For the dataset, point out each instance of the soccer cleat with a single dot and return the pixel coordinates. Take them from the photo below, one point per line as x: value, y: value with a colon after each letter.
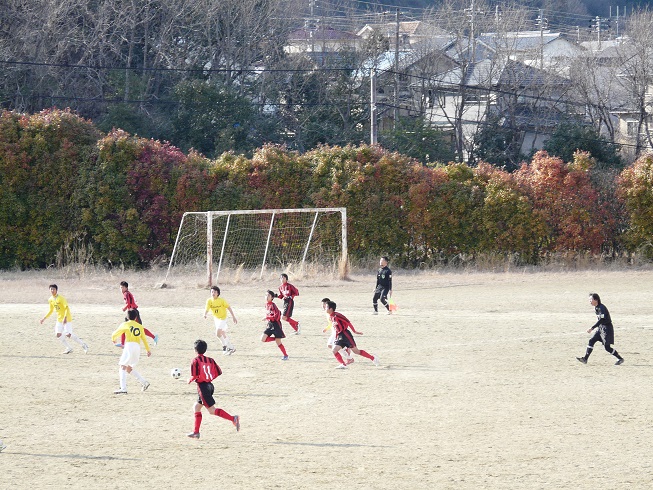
x: 146, y: 385
x: 619, y: 362
x: 156, y: 340
x: 582, y: 359
x: 299, y: 329
x: 284, y: 358
x: 118, y: 344
x: 236, y: 423
x: 389, y: 312
x: 2, y: 446
x: 349, y: 361
x: 376, y: 360
x: 194, y: 435
x: 231, y: 351
x: 120, y: 391
x: 67, y: 351
x: 85, y: 347
x: 375, y: 312
x: 341, y: 366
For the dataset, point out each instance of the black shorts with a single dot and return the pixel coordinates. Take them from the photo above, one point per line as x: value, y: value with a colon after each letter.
x: 605, y: 335
x: 288, y: 306
x: 381, y: 292
x: 275, y: 330
x: 345, y: 339
x: 205, y: 392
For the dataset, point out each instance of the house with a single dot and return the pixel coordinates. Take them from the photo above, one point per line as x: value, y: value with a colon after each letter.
x: 321, y: 42
x: 410, y: 33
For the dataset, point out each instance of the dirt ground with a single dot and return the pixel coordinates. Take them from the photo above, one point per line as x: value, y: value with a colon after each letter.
x: 478, y: 387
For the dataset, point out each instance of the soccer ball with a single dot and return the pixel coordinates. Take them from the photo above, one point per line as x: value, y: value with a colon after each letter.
x: 175, y: 373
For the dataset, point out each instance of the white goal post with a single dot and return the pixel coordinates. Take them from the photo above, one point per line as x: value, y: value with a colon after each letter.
x: 253, y: 240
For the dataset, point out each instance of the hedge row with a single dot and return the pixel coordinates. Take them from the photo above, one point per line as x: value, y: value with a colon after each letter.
x: 64, y: 184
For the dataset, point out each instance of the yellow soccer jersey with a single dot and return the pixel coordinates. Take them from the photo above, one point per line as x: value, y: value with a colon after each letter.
x: 218, y: 307
x: 59, y: 304
x: 134, y: 332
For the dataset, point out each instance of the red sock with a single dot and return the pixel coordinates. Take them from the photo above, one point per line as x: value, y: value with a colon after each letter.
x: 270, y: 339
x: 221, y: 413
x: 148, y: 333
x: 282, y: 349
x: 293, y: 323
x: 339, y: 357
x: 365, y: 354
x: 122, y: 339
x: 198, y: 421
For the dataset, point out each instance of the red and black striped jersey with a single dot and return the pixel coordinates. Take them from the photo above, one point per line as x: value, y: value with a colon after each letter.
x: 340, y: 322
x: 204, y: 369
x: 287, y: 290
x: 272, y: 313
x: 130, y: 301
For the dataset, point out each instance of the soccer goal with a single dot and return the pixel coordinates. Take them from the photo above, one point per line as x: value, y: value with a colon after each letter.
x: 212, y: 243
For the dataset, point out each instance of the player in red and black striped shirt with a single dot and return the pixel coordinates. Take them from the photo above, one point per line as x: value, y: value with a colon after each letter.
x: 130, y: 304
x: 287, y: 293
x: 344, y: 338
x: 203, y: 370
x: 274, y: 330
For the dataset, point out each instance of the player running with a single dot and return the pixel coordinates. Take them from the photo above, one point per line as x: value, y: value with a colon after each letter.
x: 383, y: 288
x: 219, y: 306
x: 130, y: 304
x: 131, y: 353
x: 346, y: 352
x: 203, y: 370
x: 64, y: 325
x: 604, y: 333
x: 274, y: 330
x: 344, y: 338
x: 287, y: 293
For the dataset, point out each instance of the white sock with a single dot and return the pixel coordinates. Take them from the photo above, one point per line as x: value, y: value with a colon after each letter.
x: 123, y: 379
x: 222, y: 341
x: 225, y: 341
x: 138, y: 377
x: 62, y: 339
x: 76, y: 339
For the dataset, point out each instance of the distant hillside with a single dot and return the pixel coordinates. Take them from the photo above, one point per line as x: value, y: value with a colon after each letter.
x: 578, y: 7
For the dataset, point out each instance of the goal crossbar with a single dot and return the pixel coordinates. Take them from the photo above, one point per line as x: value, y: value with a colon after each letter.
x: 273, y: 213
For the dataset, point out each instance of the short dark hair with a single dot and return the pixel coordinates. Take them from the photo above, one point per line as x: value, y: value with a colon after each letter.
x: 325, y: 300
x: 53, y: 286
x: 132, y: 315
x: 283, y: 274
x: 200, y: 346
x: 385, y: 257
x: 124, y: 283
x: 331, y: 305
x: 272, y: 293
x: 596, y: 297
x: 215, y: 288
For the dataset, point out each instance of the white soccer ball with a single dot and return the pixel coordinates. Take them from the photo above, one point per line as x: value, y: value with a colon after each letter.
x: 175, y: 373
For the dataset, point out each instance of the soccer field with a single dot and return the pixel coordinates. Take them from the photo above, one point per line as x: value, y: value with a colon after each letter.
x: 478, y: 387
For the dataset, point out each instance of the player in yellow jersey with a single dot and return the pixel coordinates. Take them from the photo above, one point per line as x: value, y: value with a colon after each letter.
x: 64, y: 326
x: 219, y: 306
x: 131, y: 352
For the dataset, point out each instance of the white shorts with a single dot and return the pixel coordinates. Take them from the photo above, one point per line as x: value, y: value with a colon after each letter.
x: 62, y: 328
x: 131, y: 354
x: 220, y: 324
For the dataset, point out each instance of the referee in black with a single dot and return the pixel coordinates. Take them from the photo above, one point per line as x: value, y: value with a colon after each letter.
x: 604, y: 331
x: 383, y: 288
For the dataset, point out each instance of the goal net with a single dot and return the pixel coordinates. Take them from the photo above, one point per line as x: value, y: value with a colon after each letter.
x: 218, y: 245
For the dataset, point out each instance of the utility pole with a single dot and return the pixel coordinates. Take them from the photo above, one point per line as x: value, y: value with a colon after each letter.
x: 373, y: 128
x: 396, y: 94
